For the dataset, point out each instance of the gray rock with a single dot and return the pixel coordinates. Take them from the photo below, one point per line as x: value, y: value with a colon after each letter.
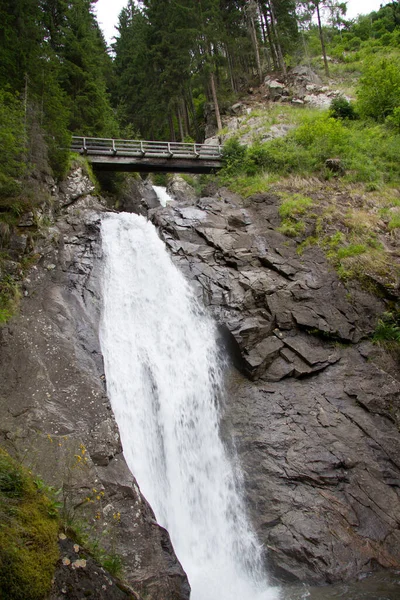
x: 54, y: 411
x: 76, y: 185
x: 180, y: 190
x: 317, y: 428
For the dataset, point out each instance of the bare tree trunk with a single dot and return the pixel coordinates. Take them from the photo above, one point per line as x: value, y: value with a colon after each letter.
x: 321, y: 37
x: 171, y: 128
x: 180, y: 123
x: 230, y: 69
x: 260, y: 12
x: 185, y: 114
x: 274, y: 53
x: 278, y: 45
x: 251, y: 10
x: 215, y: 100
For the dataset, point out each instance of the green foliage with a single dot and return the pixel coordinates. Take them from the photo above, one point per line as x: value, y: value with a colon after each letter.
x: 393, y: 120
x: 379, y: 89
x: 394, y: 222
x: 12, y: 143
x: 341, y: 108
x: 28, y: 534
x: 234, y: 154
x: 388, y: 329
x: 88, y: 539
x: 290, y: 210
x: 368, y: 152
x: 350, y: 250
x: 9, y: 297
x: 294, y: 206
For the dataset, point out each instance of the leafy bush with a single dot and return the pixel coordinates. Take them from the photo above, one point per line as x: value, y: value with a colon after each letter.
x: 341, y: 108
x: 12, y: 143
x: 393, y: 120
x: 233, y: 155
x: 388, y: 329
x: 379, y: 89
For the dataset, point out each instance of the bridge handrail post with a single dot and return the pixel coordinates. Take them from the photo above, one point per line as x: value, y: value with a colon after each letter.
x: 197, y: 154
x: 141, y: 148
x: 84, y: 147
x: 169, y: 150
x: 114, y: 150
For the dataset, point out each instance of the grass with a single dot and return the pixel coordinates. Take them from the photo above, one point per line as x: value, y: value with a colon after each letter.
x: 387, y: 332
x: 292, y: 208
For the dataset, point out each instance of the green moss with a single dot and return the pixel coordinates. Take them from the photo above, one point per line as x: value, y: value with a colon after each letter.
x: 9, y: 298
x: 394, y: 222
x: 28, y: 534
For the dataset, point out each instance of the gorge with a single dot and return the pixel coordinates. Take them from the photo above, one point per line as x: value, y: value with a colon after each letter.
x: 310, y: 408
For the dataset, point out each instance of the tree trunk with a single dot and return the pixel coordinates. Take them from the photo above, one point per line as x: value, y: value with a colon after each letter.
x: 180, y: 123
x: 274, y: 53
x: 171, y: 128
x: 254, y: 39
x: 230, y: 69
x: 321, y: 37
x: 186, y: 123
x: 276, y: 36
x: 215, y: 100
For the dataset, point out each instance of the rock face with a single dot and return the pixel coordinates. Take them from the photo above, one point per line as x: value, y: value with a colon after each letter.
x: 313, y: 417
x: 54, y: 410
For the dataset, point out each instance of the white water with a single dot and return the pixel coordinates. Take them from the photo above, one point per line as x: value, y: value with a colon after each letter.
x: 162, y: 194
x: 163, y: 378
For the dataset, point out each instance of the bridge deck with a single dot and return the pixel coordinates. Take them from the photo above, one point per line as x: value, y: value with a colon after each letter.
x: 138, y: 155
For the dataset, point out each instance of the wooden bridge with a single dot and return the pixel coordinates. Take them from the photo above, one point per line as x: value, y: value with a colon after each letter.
x: 137, y: 155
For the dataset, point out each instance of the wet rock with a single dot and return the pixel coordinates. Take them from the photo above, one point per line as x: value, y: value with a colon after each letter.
x: 77, y: 578
x: 138, y: 196
x: 180, y: 190
x: 55, y: 412
x: 317, y: 428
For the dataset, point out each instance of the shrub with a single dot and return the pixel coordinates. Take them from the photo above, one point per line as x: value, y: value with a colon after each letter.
x: 12, y: 143
x: 387, y: 332
x: 379, y: 89
x: 233, y: 155
x: 341, y: 108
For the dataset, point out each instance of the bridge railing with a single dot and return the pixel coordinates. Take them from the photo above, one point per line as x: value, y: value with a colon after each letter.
x: 141, y: 149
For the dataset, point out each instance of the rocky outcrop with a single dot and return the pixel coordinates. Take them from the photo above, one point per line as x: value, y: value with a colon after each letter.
x: 316, y: 429
x: 137, y: 196
x: 55, y: 415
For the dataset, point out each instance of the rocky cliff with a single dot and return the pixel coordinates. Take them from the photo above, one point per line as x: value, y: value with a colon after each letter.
x: 55, y: 415
x: 312, y: 407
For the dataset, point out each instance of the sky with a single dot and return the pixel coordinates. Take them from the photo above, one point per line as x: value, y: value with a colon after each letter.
x: 108, y: 12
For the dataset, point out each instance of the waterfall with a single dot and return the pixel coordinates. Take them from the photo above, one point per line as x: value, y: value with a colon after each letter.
x: 164, y: 381
x: 162, y: 194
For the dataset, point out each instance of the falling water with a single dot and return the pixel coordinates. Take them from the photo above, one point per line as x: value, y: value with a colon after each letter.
x: 162, y: 194
x: 164, y: 378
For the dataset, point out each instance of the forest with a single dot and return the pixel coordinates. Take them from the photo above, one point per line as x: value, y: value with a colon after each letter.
x: 173, y: 67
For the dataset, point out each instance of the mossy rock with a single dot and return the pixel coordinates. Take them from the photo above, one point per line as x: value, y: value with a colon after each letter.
x: 28, y: 534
